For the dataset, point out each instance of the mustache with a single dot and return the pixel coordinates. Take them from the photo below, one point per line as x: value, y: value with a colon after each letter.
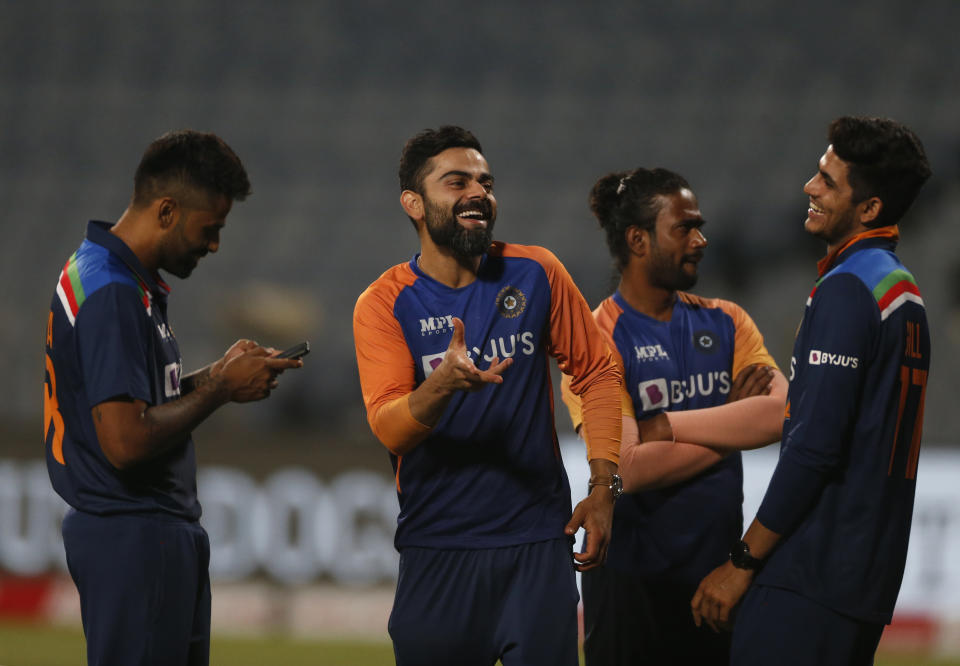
x: 482, y: 206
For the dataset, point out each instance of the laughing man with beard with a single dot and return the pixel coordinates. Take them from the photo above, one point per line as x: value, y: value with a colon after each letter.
x: 452, y: 350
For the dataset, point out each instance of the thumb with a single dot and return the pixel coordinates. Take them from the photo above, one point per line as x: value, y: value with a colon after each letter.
x: 457, y: 342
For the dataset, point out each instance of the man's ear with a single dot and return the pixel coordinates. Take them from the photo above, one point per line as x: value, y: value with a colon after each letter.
x: 868, y: 211
x: 412, y: 204
x: 637, y: 240
x: 167, y: 210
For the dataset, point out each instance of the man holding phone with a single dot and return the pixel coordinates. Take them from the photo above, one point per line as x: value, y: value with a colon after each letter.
x: 118, y: 414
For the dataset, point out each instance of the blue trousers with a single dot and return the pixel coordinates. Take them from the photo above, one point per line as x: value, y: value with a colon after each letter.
x: 631, y: 620
x: 776, y: 626
x: 472, y: 607
x: 144, y: 588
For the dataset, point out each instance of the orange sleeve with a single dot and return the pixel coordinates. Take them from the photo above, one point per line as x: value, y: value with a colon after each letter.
x: 578, y: 345
x: 385, y: 363
x: 748, y: 347
x: 606, y: 317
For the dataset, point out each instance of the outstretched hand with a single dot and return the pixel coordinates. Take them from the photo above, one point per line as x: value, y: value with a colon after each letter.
x: 457, y: 371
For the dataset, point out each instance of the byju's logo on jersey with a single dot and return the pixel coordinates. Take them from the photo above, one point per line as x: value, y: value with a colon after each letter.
x: 511, y: 302
x: 704, y: 341
x: 650, y: 353
x: 654, y: 395
x: 818, y: 357
x: 171, y: 380
x: 657, y: 393
x: 436, y: 325
x: 430, y: 363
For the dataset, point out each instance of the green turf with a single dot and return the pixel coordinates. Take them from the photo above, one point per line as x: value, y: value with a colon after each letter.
x: 39, y: 645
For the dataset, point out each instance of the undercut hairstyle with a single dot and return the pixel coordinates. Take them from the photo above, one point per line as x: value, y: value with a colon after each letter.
x: 625, y: 199
x: 418, y: 151
x: 184, y: 164
x: 885, y: 159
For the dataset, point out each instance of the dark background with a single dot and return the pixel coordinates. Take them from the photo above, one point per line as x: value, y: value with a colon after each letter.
x: 318, y: 98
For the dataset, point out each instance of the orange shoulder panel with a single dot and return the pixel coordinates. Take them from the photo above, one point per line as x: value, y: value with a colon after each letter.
x: 606, y: 315
x: 748, y: 346
x: 384, y: 360
x: 581, y: 352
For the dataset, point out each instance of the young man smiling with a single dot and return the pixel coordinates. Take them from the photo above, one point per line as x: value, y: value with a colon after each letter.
x: 452, y: 350
x: 830, y: 538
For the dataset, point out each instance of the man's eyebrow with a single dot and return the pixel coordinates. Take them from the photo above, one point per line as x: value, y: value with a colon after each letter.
x: 466, y: 174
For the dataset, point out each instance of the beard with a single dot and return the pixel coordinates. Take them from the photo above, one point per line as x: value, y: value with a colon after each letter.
x: 176, y: 256
x: 446, y: 231
x: 666, y: 274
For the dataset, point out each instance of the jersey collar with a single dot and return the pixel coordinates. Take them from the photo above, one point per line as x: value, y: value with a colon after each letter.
x: 99, y: 232
x: 891, y: 232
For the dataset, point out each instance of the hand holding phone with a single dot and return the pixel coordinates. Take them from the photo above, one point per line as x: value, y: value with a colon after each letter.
x: 297, y: 351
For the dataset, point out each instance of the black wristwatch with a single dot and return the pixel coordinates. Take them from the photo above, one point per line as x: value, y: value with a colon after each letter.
x: 611, y: 481
x: 741, y: 558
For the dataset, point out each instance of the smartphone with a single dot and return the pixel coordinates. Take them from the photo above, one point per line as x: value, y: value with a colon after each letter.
x: 297, y: 351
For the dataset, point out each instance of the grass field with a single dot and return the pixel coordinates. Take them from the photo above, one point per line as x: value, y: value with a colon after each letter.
x: 37, y: 645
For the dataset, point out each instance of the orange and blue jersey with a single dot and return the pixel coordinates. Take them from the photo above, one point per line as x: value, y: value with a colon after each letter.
x: 679, y: 532
x: 108, y: 338
x: 489, y: 473
x: 843, y: 490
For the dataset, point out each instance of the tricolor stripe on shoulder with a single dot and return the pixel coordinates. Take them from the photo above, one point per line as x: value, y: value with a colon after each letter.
x: 70, y: 289
x: 897, y: 288
x: 886, y: 278
x: 87, y: 270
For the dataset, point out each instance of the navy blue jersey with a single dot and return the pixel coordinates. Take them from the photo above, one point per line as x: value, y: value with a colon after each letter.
x: 108, y: 337
x: 842, y: 494
x: 489, y: 473
x: 685, y: 530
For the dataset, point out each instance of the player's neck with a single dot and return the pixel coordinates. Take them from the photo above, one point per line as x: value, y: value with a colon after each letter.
x: 654, y: 302
x: 446, y: 268
x: 135, y: 236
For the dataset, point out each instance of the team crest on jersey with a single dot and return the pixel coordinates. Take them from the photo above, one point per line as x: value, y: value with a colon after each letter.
x: 511, y: 302
x: 703, y: 341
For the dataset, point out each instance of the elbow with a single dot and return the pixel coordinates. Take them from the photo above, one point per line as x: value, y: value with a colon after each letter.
x: 118, y: 456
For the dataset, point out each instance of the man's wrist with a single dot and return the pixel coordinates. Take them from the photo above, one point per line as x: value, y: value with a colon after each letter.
x: 741, y: 558
x: 612, y: 482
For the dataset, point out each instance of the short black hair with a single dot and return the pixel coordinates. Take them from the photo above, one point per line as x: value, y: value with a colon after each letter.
x: 625, y: 199
x: 185, y: 160
x: 426, y: 144
x: 885, y: 159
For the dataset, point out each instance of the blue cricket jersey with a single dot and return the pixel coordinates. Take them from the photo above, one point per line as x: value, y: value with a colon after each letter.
x: 489, y: 474
x: 680, y: 532
x: 842, y: 493
x: 108, y: 337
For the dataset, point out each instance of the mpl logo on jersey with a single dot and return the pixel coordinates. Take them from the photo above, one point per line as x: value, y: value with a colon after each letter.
x: 818, y: 357
x: 647, y: 353
x: 430, y: 363
x: 436, y: 325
